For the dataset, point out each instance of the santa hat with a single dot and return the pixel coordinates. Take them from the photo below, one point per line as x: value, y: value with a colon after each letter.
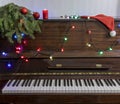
x: 108, y: 21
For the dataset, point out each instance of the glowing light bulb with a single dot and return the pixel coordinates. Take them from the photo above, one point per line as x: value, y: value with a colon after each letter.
x: 22, y: 57
x: 51, y: 58
x: 75, y: 17
x: 73, y: 27
x: 110, y: 49
x: 4, y: 53
x: 65, y: 38
x: 18, y: 49
x: 23, y: 35
x: 88, y: 44
x: 119, y: 25
x: 26, y: 60
x: 39, y: 49
x: 15, y: 36
x: 62, y: 49
x: 25, y: 42
x: 89, y: 32
x: 9, y: 65
x: 100, y: 52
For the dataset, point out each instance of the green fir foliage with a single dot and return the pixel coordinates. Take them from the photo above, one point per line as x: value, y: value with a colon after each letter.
x: 12, y: 21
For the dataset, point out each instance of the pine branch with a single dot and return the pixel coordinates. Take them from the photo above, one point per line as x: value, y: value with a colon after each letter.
x: 13, y: 21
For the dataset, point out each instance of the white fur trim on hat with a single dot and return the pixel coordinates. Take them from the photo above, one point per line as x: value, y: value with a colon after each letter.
x: 113, y: 33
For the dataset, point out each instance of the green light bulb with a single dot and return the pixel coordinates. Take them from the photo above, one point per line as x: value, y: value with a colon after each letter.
x: 110, y: 49
x: 65, y: 38
x: 100, y: 52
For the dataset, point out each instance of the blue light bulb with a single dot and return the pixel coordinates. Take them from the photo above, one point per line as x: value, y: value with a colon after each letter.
x: 4, y: 53
x: 15, y: 37
x: 9, y: 65
x: 119, y: 25
x: 23, y: 35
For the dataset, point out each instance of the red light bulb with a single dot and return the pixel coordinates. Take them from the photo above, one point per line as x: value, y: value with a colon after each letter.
x: 39, y: 49
x: 22, y: 57
x: 26, y: 60
x: 73, y: 27
x: 62, y: 49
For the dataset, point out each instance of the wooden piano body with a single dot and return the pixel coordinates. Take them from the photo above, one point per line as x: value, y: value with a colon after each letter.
x: 78, y: 61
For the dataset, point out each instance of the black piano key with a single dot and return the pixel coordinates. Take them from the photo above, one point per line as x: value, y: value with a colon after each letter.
x: 64, y: 82
x: 106, y: 82
x: 71, y: 83
x: 88, y: 81
x: 97, y: 82
x: 84, y: 80
x: 56, y: 82
x: 26, y: 83
x: 18, y: 82
x: 112, y: 82
x: 35, y: 82
x: 14, y: 83
x: 29, y: 83
x: 50, y: 82
x: 23, y: 83
x: 39, y: 80
x: 101, y: 82
x: 44, y: 81
x: 79, y: 82
x: 118, y: 82
x: 76, y: 82
x: 109, y: 82
x: 47, y: 82
x: 59, y: 81
x: 9, y: 82
x: 68, y: 84
x: 92, y: 82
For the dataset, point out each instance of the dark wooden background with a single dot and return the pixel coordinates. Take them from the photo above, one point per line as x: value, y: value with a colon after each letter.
x: 53, y: 31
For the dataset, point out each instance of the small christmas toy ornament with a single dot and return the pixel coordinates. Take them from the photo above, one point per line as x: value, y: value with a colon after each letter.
x: 24, y: 10
x: 108, y: 21
x: 36, y: 15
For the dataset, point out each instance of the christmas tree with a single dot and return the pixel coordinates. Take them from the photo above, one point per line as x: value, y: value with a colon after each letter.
x: 16, y: 20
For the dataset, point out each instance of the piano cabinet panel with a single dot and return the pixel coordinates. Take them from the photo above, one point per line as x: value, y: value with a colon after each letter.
x: 71, y: 65
x: 60, y: 99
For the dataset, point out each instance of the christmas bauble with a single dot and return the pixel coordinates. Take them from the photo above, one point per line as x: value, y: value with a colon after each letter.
x: 24, y: 10
x: 36, y: 15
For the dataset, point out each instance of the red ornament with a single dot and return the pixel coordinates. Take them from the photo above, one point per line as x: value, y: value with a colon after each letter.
x: 36, y: 15
x: 24, y: 10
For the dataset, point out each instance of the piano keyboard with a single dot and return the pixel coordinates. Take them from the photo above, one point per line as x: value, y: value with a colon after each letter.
x: 62, y: 86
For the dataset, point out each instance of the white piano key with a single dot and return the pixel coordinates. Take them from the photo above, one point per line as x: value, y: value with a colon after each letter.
x: 117, y: 87
x: 107, y: 89
x: 4, y: 90
x: 10, y: 89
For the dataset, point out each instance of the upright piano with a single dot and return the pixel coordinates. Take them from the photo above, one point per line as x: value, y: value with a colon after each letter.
x: 72, y: 67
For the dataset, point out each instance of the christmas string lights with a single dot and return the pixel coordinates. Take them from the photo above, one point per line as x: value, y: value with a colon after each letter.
x: 20, y: 48
x: 93, y: 45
